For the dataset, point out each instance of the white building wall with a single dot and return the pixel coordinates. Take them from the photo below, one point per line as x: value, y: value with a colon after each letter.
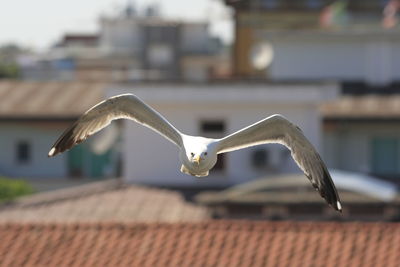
x: 318, y: 59
x: 395, y: 62
x: 379, y: 62
x: 352, y: 57
x: 151, y: 159
x: 41, y: 140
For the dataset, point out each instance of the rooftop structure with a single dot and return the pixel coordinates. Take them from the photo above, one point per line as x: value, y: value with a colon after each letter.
x: 221, y: 243
x: 291, y: 197
x: 32, y: 116
x: 107, y: 201
x: 28, y: 100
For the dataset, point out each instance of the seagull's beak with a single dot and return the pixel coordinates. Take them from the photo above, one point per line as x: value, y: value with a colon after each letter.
x: 197, y: 159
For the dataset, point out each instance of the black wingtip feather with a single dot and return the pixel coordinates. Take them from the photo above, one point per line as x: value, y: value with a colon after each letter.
x: 65, y: 142
x: 331, y: 195
x: 328, y: 191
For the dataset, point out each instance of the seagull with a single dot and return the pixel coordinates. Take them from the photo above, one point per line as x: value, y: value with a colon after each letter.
x: 199, y: 154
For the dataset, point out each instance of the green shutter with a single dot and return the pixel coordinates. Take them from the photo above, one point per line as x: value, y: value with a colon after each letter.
x: 76, y: 161
x: 98, y: 164
x: 385, y: 156
x: 82, y: 162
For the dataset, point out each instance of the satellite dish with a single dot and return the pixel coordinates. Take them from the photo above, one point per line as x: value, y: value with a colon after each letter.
x: 261, y: 55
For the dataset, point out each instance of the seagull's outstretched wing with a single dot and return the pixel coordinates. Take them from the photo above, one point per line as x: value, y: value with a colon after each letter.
x: 277, y: 129
x: 125, y: 106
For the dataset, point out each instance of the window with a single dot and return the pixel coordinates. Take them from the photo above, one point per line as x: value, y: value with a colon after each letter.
x: 385, y: 156
x: 260, y: 158
x: 214, y: 129
x: 23, y: 151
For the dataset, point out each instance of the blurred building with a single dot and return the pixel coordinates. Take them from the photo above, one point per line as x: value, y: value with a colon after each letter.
x: 161, y: 49
x: 216, y: 110
x: 133, y: 47
x: 33, y: 115
x: 224, y: 243
x: 62, y: 62
x: 313, y: 40
x: 355, y: 43
x: 362, y: 133
x: 291, y: 197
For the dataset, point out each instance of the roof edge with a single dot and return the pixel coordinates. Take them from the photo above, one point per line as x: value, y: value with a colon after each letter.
x: 65, y: 193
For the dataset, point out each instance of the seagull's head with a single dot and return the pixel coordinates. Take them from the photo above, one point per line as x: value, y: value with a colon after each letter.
x: 197, y: 157
x: 202, y: 159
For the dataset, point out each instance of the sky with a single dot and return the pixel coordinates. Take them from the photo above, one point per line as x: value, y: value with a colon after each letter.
x: 40, y: 23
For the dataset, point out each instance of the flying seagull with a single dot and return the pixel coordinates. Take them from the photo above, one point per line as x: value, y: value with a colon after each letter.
x: 199, y: 154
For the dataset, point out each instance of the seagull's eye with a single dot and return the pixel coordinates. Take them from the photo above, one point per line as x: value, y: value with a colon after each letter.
x: 205, y: 153
x: 192, y: 154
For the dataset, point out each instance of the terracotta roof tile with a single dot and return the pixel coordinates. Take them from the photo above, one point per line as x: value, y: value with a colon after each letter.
x: 215, y: 243
x: 106, y: 202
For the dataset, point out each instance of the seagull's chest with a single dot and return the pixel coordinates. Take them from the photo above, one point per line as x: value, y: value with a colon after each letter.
x: 193, y: 168
x: 192, y: 172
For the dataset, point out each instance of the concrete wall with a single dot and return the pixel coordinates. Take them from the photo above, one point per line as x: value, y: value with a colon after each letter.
x: 41, y: 139
x: 373, y: 59
x: 318, y: 60
x: 151, y: 159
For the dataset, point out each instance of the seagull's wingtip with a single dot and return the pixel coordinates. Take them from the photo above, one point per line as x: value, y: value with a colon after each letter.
x: 52, y: 152
x: 339, y: 206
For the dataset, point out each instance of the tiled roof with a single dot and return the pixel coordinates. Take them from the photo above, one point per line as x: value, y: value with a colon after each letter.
x: 367, y: 106
x: 104, y: 202
x: 215, y: 243
x: 32, y: 99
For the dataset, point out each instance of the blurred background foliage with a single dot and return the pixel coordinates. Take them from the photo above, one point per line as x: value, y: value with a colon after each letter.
x: 13, y: 188
x: 8, y: 60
